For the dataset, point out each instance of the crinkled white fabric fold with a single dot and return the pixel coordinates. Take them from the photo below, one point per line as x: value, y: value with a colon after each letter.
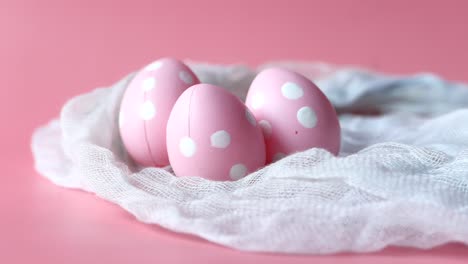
x: 401, y: 177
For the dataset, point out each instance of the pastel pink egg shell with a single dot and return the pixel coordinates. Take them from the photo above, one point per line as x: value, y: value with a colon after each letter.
x: 294, y: 113
x: 212, y: 134
x: 145, y: 109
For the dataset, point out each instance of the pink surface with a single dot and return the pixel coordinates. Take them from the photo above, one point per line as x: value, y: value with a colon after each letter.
x: 52, y: 50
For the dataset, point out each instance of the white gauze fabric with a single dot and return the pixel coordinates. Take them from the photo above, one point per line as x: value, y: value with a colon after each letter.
x: 401, y: 177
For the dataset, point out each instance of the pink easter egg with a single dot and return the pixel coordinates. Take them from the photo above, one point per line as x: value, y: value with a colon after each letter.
x: 145, y: 108
x: 293, y: 112
x: 212, y: 134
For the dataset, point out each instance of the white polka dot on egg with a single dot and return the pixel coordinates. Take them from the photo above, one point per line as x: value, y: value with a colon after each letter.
x: 307, y: 117
x: 250, y: 117
x: 266, y: 128
x: 147, y: 110
x: 154, y: 66
x: 186, y: 77
x: 148, y: 84
x: 292, y: 91
x: 238, y: 171
x: 258, y: 100
x: 220, y: 139
x: 187, y: 147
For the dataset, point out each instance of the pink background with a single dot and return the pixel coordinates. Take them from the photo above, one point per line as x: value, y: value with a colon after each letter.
x: 52, y: 50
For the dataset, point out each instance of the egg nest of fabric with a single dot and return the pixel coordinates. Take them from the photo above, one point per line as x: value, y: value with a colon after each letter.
x: 401, y: 177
